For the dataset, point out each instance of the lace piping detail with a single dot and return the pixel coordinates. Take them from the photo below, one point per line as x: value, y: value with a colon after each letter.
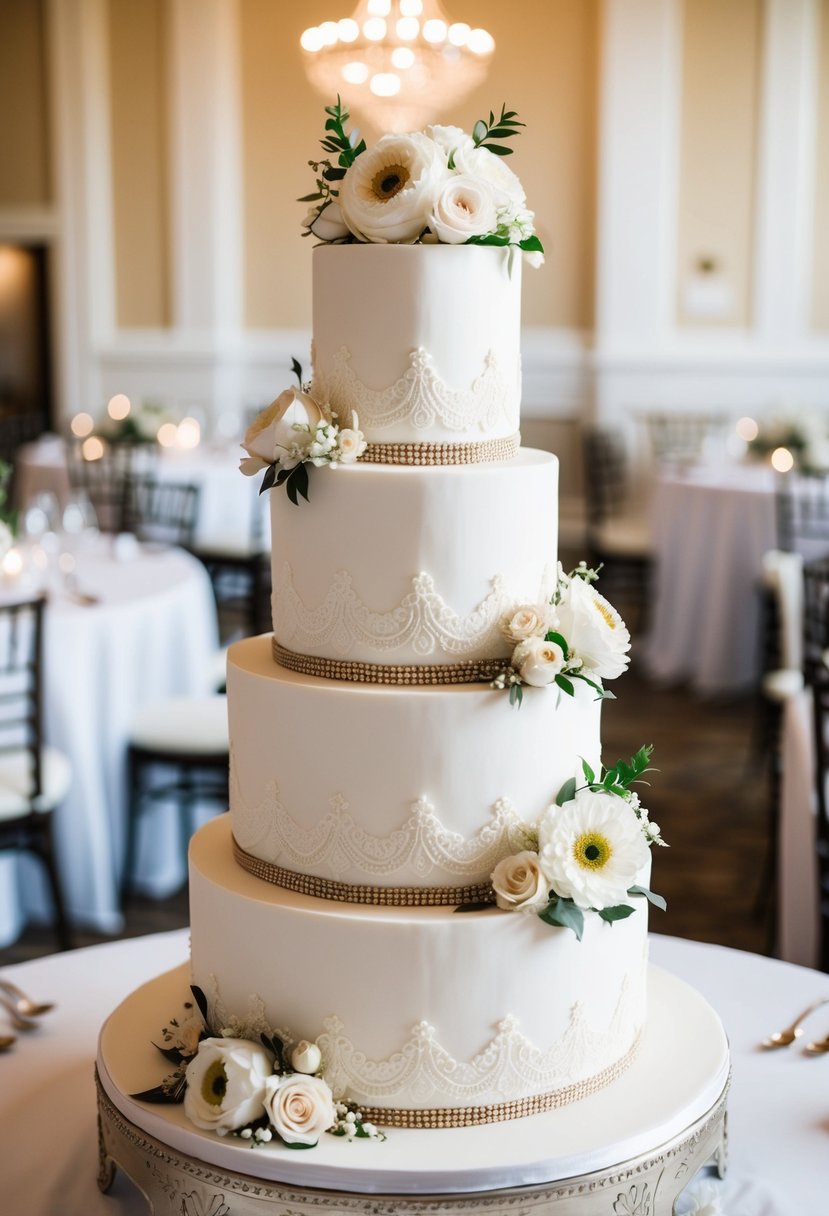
x: 422, y: 1073
x: 422, y: 622
x: 422, y: 847
x: 420, y: 396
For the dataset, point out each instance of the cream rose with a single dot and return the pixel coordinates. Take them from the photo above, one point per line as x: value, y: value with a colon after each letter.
x: 300, y: 1108
x: 226, y: 1084
x: 388, y: 193
x: 271, y: 438
x: 485, y: 166
x: 306, y: 1057
x: 464, y: 207
x: 519, y: 882
x: 530, y: 620
x: 537, y: 661
x: 326, y: 222
x: 351, y: 442
x: 450, y: 140
x: 594, y: 630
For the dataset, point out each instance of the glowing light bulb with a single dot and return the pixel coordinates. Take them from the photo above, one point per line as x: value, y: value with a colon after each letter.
x: 311, y: 39
x: 81, y: 425
x: 189, y: 433
x: 434, y: 30
x: 118, y: 407
x: 782, y: 460
x: 459, y: 32
x: 167, y: 434
x: 480, y: 42
x: 747, y: 429
x: 92, y: 448
x: 408, y: 28
x: 348, y: 29
x: 329, y: 32
x: 355, y: 73
x: 402, y: 57
x: 411, y: 8
x: 385, y: 84
x: 374, y: 29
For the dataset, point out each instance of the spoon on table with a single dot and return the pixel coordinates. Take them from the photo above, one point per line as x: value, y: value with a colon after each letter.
x: 7, y: 1041
x: 19, y: 1023
x: 783, y: 1038
x: 24, y: 1005
x: 817, y: 1048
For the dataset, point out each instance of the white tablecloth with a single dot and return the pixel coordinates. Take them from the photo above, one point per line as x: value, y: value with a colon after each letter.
x: 711, y: 528
x: 150, y: 637
x: 230, y: 510
x: 778, y: 1107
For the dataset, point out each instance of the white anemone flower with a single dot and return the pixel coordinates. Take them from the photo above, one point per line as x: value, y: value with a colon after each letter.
x: 226, y: 1084
x: 388, y: 193
x: 594, y: 630
x: 592, y: 848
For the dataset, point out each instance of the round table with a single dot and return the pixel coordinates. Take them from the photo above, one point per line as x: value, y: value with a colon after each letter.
x: 778, y: 1103
x: 149, y: 634
x: 711, y: 528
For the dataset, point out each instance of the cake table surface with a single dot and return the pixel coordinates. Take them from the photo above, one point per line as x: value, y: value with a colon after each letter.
x: 778, y: 1109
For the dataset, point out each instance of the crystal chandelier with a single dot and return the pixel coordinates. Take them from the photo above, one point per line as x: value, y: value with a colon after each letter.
x: 397, y: 64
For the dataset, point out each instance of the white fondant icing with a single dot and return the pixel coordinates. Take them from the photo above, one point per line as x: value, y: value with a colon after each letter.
x: 432, y: 335
x: 299, y: 742
x: 502, y: 1005
x: 408, y: 565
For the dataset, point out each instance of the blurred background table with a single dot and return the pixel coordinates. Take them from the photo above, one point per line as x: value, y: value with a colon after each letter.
x: 778, y: 1104
x: 151, y: 633
x: 711, y: 529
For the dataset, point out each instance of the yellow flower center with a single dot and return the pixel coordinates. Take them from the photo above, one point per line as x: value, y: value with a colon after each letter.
x: 592, y: 851
x: 389, y: 181
x: 214, y: 1084
x: 604, y: 611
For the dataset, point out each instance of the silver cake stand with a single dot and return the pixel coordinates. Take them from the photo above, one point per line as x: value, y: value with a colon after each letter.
x: 628, y: 1150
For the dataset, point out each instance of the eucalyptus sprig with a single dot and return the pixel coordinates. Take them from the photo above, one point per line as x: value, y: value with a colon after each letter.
x: 506, y: 126
x: 338, y: 142
x: 615, y: 780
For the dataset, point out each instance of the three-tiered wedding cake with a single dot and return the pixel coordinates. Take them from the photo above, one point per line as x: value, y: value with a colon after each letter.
x: 382, y: 782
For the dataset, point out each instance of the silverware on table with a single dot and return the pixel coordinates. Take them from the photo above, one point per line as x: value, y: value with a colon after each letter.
x: 17, y: 1021
x: 783, y: 1038
x: 818, y: 1047
x: 23, y: 1004
x: 7, y: 1041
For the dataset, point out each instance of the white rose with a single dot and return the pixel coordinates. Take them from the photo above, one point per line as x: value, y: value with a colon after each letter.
x: 350, y: 445
x: 272, y: 436
x: 306, y: 1057
x: 300, y: 1108
x: 594, y: 630
x: 465, y: 207
x: 326, y: 222
x: 537, y: 661
x: 226, y: 1084
x: 387, y: 194
x: 592, y: 848
x: 530, y: 620
x: 519, y: 882
x: 451, y: 140
x: 485, y: 166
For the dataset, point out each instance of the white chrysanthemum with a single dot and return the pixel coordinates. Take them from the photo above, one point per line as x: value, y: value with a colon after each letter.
x: 388, y: 193
x: 594, y: 630
x: 592, y: 849
x: 226, y: 1084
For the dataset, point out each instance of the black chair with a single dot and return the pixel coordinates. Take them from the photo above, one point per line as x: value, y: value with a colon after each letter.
x: 240, y: 574
x: 34, y: 778
x: 802, y: 505
x: 681, y: 438
x: 105, y: 479
x: 816, y: 654
x: 178, y: 754
x: 165, y: 512
x: 618, y: 536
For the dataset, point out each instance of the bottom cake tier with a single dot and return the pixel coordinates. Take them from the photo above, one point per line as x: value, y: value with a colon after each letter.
x: 425, y: 1017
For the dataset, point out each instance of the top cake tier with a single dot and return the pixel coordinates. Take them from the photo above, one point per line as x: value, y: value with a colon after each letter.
x: 422, y: 342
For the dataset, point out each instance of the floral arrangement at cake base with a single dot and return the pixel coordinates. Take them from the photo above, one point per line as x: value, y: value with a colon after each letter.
x: 260, y: 1092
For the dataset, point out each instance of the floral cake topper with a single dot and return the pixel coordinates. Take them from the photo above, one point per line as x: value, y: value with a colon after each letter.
x: 441, y: 185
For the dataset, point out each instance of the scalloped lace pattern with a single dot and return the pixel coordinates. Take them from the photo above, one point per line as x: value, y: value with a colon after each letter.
x: 420, y: 397
x: 336, y: 845
x: 423, y: 621
x: 423, y: 1073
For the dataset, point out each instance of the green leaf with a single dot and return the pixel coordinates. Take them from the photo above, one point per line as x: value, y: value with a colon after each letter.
x: 477, y: 907
x: 566, y: 685
x: 479, y: 131
x: 589, y: 775
x: 500, y: 150
x: 650, y: 896
x: 516, y: 695
x: 559, y: 639
x: 269, y: 478
x: 531, y: 244
x: 296, y: 368
x: 563, y: 912
x: 201, y: 1002
x: 618, y: 912
x: 491, y: 238
x: 567, y: 792
x: 296, y: 483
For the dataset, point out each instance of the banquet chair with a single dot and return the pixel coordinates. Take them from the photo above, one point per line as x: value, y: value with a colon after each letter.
x: 106, y: 481
x: 165, y: 512
x: 34, y: 778
x: 802, y: 507
x: 681, y: 438
x: 177, y: 755
x: 618, y: 536
x: 240, y: 574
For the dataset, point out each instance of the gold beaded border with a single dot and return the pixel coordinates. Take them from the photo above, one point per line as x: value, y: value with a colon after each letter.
x: 356, y: 893
x: 480, y: 451
x: 473, y: 671
x: 499, y: 1112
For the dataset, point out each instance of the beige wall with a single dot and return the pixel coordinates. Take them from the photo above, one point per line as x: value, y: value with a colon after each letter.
x: 24, y: 128
x: 820, y: 315
x: 137, y: 38
x: 720, y: 78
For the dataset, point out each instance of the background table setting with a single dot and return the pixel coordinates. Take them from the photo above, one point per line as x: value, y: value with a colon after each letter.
x: 778, y: 1103
x: 126, y: 625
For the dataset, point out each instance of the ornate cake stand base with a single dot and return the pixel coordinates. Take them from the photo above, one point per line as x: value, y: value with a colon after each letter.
x: 627, y: 1151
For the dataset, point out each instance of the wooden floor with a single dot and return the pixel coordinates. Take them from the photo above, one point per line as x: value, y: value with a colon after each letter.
x: 709, y: 797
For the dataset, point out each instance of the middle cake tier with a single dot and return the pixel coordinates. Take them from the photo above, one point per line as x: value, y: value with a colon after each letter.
x: 411, y: 567
x: 391, y: 794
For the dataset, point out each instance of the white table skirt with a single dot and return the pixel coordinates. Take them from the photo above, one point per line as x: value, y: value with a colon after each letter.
x: 778, y: 1108
x: 711, y: 529
x: 151, y: 637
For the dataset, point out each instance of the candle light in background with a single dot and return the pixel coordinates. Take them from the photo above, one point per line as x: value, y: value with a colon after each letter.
x: 747, y: 429
x: 782, y: 461
x: 189, y: 433
x: 167, y: 434
x: 81, y: 425
x: 92, y: 448
x: 118, y: 407
x: 12, y: 565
